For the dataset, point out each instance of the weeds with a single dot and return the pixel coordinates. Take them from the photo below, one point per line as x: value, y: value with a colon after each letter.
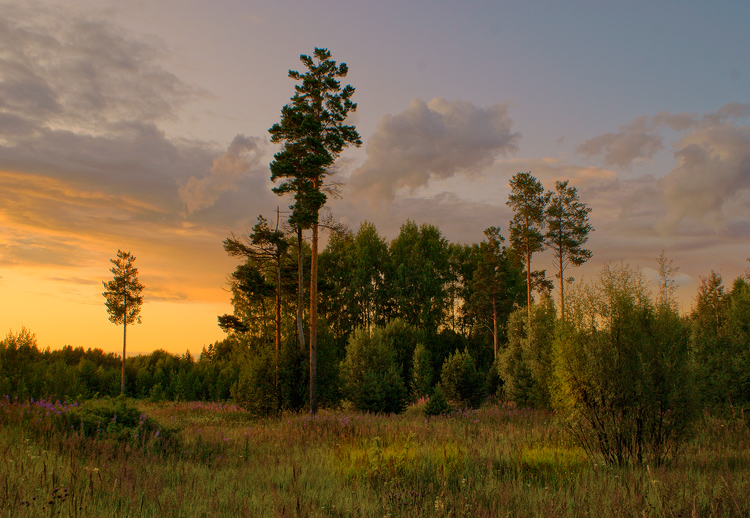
x: 490, y: 462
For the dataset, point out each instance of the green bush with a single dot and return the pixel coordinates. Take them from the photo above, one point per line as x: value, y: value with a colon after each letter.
x: 437, y: 404
x: 112, y: 419
x: 421, y: 378
x: 460, y: 380
x: 622, y: 376
x: 256, y: 390
x: 372, y: 381
x: 525, y: 365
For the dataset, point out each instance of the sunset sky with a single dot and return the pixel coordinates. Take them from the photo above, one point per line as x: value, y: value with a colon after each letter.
x: 143, y: 126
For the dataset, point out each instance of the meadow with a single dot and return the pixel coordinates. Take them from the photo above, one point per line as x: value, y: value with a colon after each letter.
x: 212, y: 460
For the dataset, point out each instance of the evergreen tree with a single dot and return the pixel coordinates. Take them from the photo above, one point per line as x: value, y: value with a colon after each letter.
x: 263, y: 252
x: 495, y: 283
x: 528, y: 201
x: 568, y: 230
x: 124, y: 299
x: 313, y: 133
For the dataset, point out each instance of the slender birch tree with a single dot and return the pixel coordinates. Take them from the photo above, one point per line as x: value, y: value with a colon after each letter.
x: 124, y: 299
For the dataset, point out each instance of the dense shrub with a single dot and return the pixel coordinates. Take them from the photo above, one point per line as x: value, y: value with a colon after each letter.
x: 421, y: 378
x: 437, y: 404
x: 720, y: 343
x: 372, y: 381
x: 461, y: 381
x: 256, y: 389
x: 525, y: 365
x: 622, y: 375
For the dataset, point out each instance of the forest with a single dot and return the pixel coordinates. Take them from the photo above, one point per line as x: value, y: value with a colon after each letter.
x: 400, y: 315
x: 410, y: 377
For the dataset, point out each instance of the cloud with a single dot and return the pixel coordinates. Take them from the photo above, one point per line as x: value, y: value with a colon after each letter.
x: 243, y: 155
x: 713, y: 168
x: 434, y: 140
x: 632, y: 142
x: 81, y: 101
x: 549, y: 170
x: 63, y: 68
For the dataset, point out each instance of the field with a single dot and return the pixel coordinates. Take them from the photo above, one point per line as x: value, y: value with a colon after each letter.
x: 211, y: 460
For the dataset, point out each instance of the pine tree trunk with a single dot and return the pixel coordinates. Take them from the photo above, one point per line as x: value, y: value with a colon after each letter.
x: 300, y: 292
x: 562, y: 288
x: 314, y: 321
x: 494, y: 325
x: 278, y: 320
x: 528, y: 289
x: 124, y: 341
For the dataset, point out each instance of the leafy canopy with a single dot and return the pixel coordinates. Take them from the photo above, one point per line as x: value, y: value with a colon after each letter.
x: 314, y: 134
x: 123, y: 292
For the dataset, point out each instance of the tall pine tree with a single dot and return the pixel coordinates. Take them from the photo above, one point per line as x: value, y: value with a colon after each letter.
x: 568, y: 230
x: 528, y: 201
x: 313, y: 133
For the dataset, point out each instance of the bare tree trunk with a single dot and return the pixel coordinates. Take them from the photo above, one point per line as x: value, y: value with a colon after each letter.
x: 314, y: 321
x: 124, y: 341
x: 562, y: 288
x: 278, y: 310
x: 278, y: 317
x: 300, y: 292
x: 494, y: 325
x: 528, y: 288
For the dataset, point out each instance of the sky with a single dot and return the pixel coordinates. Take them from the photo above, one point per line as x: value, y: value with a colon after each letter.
x: 143, y: 126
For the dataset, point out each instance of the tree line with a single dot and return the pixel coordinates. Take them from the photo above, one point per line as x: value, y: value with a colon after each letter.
x: 375, y: 325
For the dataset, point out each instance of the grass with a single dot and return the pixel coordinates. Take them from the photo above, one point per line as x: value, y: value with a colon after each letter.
x: 494, y: 461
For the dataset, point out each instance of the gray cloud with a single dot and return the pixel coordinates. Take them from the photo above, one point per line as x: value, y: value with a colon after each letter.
x: 713, y: 168
x: 243, y: 155
x: 61, y: 68
x: 81, y: 100
x: 434, y: 140
x: 632, y: 142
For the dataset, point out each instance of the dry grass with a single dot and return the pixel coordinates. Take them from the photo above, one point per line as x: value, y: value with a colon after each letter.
x: 495, y: 461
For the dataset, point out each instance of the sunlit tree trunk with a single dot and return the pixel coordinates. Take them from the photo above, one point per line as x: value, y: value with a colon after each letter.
x: 124, y: 342
x: 314, y: 321
x: 300, y: 292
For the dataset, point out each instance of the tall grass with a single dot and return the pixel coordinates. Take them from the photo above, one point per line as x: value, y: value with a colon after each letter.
x: 494, y: 461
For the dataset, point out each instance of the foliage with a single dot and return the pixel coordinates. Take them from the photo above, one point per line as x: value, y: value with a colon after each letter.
x: 622, y: 374
x: 256, y: 279
x: 420, y: 257
x: 313, y: 134
x: 437, y: 404
x: 496, y: 460
x: 496, y: 285
x: 124, y: 299
x: 356, y: 280
x: 421, y: 372
x: 720, y: 342
x: 256, y: 389
x: 123, y: 292
x: 372, y: 381
x: 528, y: 202
x: 461, y: 381
x: 525, y: 365
x: 568, y: 229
